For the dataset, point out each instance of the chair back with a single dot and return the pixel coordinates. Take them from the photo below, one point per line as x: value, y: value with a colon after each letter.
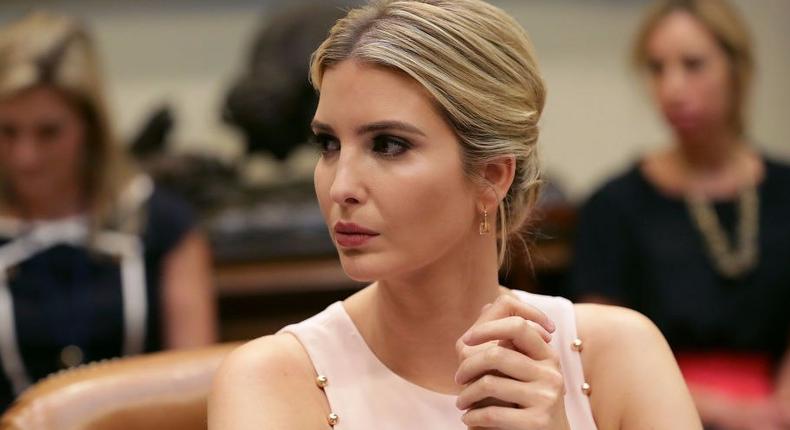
x: 164, y: 390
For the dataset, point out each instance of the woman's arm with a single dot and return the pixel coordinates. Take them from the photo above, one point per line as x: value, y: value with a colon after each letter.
x: 783, y: 389
x: 636, y: 383
x: 726, y: 413
x: 189, y: 306
x: 783, y: 380
x: 268, y: 383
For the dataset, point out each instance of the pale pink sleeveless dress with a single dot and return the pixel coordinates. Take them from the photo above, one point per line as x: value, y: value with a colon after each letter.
x: 366, y: 395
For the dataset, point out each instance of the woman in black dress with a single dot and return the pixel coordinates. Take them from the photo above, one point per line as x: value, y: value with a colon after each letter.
x: 696, y: 235
x: 95, y: 261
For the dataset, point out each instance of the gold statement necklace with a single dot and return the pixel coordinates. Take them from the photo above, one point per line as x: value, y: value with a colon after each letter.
x: 731, y: 259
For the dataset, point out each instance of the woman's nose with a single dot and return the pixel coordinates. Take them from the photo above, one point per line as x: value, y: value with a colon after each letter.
x: 348, y: 183
x: 672, y: 86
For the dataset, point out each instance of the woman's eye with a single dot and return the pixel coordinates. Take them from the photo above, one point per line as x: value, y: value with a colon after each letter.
x: 326, y: 143
x: 49, y: 131
x: 390, y: 146
x: 7, y: 132
x: 693, y: 64
x: 655, y: 67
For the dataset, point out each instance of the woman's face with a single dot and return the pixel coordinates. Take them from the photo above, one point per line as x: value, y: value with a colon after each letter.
x: 41, y: 144
x: 390, y: 181
x: 690, y: 76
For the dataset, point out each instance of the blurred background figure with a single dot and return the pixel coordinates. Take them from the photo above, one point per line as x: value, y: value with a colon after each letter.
x: 272, y: 102
x: 695, y: 234
x: 95, y: 261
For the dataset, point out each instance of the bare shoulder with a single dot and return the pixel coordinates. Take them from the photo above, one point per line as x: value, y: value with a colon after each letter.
x: 270, y: 381
x: 267, y: 356
x: 635, y: 380
x: 613, y: 335
x: 613, y: 325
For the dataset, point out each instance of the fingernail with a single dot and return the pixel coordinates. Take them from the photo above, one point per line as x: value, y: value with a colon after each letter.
x: 552, y: 327
x: 465, y: 338
x: 485, y: 306
x: 543, y: 332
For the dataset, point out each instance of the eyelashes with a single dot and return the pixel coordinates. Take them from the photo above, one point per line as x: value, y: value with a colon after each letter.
x: 382, y: 145
x: 326, y: 143
x: 390, y: 146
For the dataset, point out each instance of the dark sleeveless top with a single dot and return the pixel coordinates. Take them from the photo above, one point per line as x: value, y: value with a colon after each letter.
x: 67, y: 294
x: 640, y: 248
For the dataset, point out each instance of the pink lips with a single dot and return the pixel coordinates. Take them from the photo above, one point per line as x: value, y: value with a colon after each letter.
x: 350, y: 235
x: 682, y: 120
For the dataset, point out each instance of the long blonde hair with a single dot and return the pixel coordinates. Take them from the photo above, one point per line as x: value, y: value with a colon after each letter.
x: 727, y: 26
x: 54, y: 51
x: 478, y: 64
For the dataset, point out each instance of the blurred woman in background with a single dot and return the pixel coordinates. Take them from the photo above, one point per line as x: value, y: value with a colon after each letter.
x: 695, y: 235
x: 95, y: 261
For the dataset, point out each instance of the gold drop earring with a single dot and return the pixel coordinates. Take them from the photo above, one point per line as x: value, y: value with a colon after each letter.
x: 485, y: 228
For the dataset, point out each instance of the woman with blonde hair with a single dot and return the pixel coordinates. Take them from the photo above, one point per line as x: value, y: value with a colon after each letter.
x: 95, y: 261
x: 695, y: 234
x: 428, y: 124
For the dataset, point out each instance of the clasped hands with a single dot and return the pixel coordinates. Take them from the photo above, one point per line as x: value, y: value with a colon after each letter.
x: 511, y: 376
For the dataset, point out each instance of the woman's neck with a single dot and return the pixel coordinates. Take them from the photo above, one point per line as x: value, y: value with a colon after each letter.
x: 67, y: 201
x: 718, y: 167
x: 413, y: 322
x: 711, y: 153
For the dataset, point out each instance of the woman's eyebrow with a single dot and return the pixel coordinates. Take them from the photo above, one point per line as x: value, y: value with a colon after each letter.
x: 371, y: 127
x: 321, y: 126
x: 389, y: 125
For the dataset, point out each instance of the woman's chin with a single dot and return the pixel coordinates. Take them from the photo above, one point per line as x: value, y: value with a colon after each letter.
x: 363, y: 268
x: 692, y: 130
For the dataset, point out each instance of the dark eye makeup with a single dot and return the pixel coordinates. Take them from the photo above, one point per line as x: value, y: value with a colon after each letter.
x: 383, y: 145
x: 326, y: 143
x: 8, y: 131
x: 693, y: 63
x: 655, y: 67
x: 49, y: 131
x: 390, y: 146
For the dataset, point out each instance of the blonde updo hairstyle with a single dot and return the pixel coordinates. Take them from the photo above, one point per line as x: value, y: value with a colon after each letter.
x: 478, y: 64
x: 729, y: 30
x: 54, y: 51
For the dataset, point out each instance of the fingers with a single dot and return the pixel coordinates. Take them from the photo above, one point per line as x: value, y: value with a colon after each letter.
x: 507, y: 391
x: 490, y: 387
x: 520, y: 332
x: 504, y: 377
x: 511, y: 374
x: 507, y: 362
x: 506, y: 306
x: 504, y: 418
x: 533, y: 325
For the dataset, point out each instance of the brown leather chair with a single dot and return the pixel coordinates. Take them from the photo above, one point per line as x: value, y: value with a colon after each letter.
x: 165, y: 390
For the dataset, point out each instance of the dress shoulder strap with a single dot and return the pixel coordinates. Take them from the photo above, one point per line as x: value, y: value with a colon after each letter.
x: 333, y: 349
x: 566, y: 342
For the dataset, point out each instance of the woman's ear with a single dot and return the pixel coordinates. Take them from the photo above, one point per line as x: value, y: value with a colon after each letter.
x: 498, y: 175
